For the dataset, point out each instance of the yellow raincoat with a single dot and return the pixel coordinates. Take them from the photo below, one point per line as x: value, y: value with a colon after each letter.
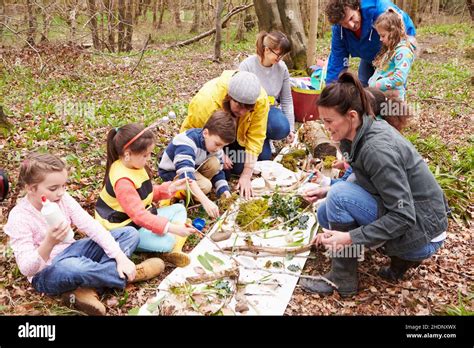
x: 251, y: 128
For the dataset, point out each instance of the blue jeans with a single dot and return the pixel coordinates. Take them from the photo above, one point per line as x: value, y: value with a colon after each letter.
x: 152, y: 242
x: 278, y: 128
x: 85, y: 264
x: 366, y: 70
x: 348, y: 203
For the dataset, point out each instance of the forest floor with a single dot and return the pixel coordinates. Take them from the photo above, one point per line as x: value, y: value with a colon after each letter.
x: 68, y: 107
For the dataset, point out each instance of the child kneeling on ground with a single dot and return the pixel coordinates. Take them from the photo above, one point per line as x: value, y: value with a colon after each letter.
x: 197, y: 154
x: 128, y: 193
x: 55, y: 264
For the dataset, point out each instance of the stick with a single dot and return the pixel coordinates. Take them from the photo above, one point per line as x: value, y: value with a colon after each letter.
x: 143, y: 52
x: 270, y: 250
x: 212, y: 31
x: 227, y: 273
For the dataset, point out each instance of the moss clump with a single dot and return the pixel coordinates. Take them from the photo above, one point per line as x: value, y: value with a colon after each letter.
x: 225, y: 203
x: 328, y: 161
x: 251, y: 214
x: 290, y: 160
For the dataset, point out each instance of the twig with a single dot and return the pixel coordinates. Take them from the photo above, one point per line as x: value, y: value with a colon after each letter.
x: 143, y: 52
x: 250, y: 254
x: 227, y: 273
x: 275, y: 251
x: 32, y: 47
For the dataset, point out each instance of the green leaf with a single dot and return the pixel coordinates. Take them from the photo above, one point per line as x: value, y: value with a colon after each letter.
x: 213, y: 259
x: 296, y: 242
x: 205, y: 263
x: 294, y: 268
x: 278, y: 264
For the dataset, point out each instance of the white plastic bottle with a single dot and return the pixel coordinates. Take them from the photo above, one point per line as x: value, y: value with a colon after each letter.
x: 54, y: 216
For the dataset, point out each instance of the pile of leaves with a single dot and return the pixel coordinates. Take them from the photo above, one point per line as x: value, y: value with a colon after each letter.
x: 288, y: 208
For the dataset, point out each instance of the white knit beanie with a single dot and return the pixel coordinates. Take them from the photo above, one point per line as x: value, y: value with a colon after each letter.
x: 244, y: 87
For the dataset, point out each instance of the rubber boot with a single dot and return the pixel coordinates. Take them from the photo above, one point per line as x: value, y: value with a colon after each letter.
x: 176, y: 256
x: 343, y: 272
x: 85, y: 300
x: 4, y: 185
x: 149, y: 269
x: 397, y: 268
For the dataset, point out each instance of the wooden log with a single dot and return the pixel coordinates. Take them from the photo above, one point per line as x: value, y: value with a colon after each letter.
x: 227, y: 273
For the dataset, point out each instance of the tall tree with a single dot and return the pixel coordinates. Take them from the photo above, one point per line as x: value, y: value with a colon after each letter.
x: 93, y: 24
x: 121, y: 26
x: 129, y: 11
x: 470, y: 6
x: 313, y: 32
x: 109, y: 6
x: 2, y: 15
x: 31, y: 33
x: 196, y: 16
x: 217, y: 44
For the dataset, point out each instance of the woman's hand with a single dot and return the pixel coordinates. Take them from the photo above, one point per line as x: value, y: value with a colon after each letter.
x: 245, y: 186
x: 125, y: 267
x: 337, y: 164
x: 228, y: 164
x: 291, y: 137
x: 181, y: 229
x: 335, y: 240
x: 313, y: 194
x: 56, y: 235
x: 178, y: 185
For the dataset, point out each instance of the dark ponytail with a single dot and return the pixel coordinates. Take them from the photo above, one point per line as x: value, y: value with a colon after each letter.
x: 346, y: 94
x: 117, y: 138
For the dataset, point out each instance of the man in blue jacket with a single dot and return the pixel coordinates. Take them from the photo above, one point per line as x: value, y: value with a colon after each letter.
x: 353, y: 34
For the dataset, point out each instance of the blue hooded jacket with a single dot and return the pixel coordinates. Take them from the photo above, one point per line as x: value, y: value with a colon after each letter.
x: 345, y: 43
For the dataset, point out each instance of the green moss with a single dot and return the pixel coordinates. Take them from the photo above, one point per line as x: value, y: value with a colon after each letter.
x: 251, y: 215
x: 290, y: 160
x: 225, y: 203
x: 328, y: 161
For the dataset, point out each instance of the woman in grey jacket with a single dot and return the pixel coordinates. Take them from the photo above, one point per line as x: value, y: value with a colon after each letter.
x: 395, y: 200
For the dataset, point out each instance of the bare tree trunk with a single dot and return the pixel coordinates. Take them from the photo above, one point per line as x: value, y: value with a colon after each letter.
x: 470, y: 6
x: 93, y: 24
x: 121, y: 26
x: 196, y: 17
x: 268, y: 15
x: 313, y: 32
x: 239, y: 35
x: 414, y: 12
x: 217, y: 44
x: 406, y: 5
x: 162, y: 11
x: 46, y: 13
x: 175, y: 5
x: 305, y: 15
x: 31, y: 23
x: 2, y: 15
x: 109, y: 5
x: 435, y: 7
x: 293, y: 26
x: 129, y: 25
x: 155, y: 10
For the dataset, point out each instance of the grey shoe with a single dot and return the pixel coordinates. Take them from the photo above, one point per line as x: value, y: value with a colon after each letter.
x: 343, y: 273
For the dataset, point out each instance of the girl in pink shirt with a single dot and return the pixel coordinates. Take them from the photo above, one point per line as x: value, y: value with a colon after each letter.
x: 55, y: 264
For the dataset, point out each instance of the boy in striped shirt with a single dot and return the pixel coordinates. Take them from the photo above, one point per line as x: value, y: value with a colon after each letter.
x: 198, y: 155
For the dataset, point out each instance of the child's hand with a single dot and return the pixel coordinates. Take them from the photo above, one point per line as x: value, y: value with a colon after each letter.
x: 291, y: 137
x: 178, y: 185
x: 337, y: 164
x: 211, y: 208
x: 228, y: 164
x: 125, y: 267
x: 181, y: 229
x: 227, y: 194
x: 56, y: 235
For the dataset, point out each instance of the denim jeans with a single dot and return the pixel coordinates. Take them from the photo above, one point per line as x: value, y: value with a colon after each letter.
x: 366, y: 70
x: 85, y: 264
x: 278, y: 128
x: 347, y: 202
x: 152, y: 242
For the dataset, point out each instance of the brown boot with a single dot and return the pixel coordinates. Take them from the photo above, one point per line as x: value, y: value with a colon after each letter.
x: 84, y: 299
x: 149, y: 269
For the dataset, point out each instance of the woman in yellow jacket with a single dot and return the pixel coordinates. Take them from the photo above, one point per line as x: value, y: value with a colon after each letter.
x: 240, y: 93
